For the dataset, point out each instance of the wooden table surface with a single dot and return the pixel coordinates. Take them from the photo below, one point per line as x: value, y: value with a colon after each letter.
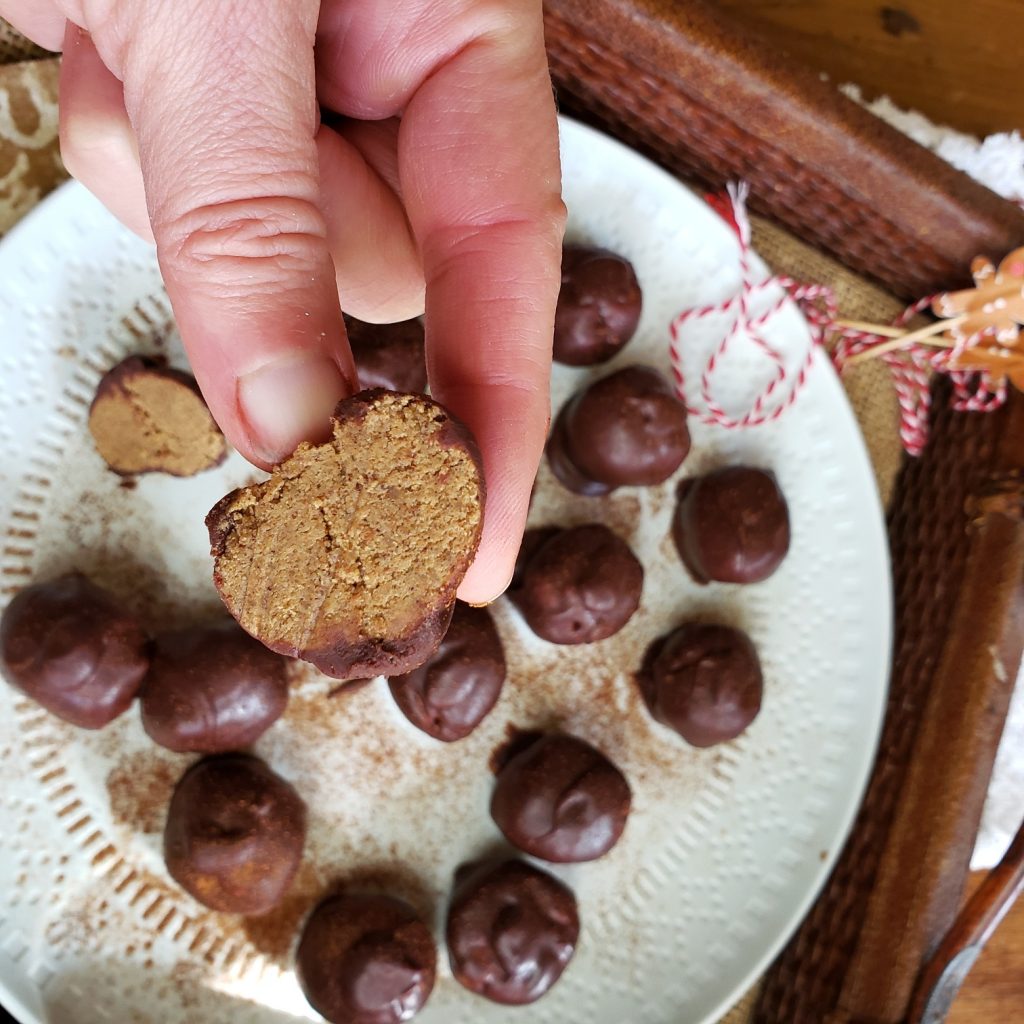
x: 994, y: 990
x: 955, y: 61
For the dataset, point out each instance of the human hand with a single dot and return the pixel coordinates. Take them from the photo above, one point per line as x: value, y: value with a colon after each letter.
x: 197, y: 124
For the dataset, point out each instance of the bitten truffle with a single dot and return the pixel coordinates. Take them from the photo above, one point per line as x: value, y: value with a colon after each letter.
x: 561, y: 800
x: 598, y: 306
x: 704, y: 681
x: 511, y: 931
x: 234, y: 835
x: 212, y: 689
x: 451, y: 693
x: 72, y: 648
x: 148, y: 418
x: 349, y: 556
x: 388, y: 355
x: 627, y: 429
x: 579, y: 585
x: 731, y: 525
x: 366, y: 959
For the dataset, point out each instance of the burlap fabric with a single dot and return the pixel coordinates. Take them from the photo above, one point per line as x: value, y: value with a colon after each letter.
x: 30, y: 167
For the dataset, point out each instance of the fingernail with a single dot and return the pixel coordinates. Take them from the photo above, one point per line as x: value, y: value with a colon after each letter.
x: 288, y: 401
x: 489, y: 601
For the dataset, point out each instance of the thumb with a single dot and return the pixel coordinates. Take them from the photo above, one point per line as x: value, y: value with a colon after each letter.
x: 224, y: 110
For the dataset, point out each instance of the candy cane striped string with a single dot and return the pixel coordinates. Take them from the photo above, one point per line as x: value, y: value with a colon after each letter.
x: 911, y: 367
x: 817, y: 302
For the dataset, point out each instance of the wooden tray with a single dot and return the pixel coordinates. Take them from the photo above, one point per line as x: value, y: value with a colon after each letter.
x: 684, y: 86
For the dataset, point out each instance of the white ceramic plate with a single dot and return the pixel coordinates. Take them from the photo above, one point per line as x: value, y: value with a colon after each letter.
x: 726, y: 847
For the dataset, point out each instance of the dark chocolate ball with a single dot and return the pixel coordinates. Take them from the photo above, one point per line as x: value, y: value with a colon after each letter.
x: 598, y: 306
x: 731, y: 525
x: 72, y: 648
x: 627, y: 429
x: 582, y: 585
x: 561, y: 800
x: 533, y: 540
x: 211, y: 689
x: 453, y: 691
x: 388, y: 355
x: 704, y: 681
x: 234, y: 835
x: 511, y: 931
x: 366, y: 959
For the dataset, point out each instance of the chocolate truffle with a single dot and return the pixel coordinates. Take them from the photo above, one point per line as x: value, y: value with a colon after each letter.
x: 581, y: 585
x: 561, y: 800
x: 234, y: 834
x: 627, y: 429
x: 349, y: 556
x: 533, y: 540
x: 73, y: 649
x: 148, y: 418
x: 366, y: 959
x: 731, y: 525
x: 511, y: 932
x: 704, y: 681
x: 598, y: 306
x: 388, y: 355
x: 211, y: 689
x: 451, y: 693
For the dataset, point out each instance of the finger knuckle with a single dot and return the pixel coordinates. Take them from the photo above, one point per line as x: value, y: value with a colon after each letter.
x: 268, y: 237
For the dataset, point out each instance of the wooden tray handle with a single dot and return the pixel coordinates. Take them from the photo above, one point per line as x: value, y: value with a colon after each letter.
x: 945, y: 972
x: 708, y: 100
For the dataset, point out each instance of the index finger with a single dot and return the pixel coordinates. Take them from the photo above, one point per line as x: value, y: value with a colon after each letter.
x: 224, y: 111
x: 479, y: 166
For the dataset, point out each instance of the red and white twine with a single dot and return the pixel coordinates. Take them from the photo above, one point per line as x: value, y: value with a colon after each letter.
x: 782, y: 388
x: 911, y: 367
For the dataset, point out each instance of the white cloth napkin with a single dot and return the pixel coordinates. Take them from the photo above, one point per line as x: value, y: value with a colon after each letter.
x: 997, y: 162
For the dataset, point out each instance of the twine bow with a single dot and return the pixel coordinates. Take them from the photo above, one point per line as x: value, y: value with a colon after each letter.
x: 976, y: 341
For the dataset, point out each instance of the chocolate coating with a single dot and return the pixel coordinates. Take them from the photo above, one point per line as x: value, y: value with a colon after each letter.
x: 366, y: 959
x: 72, y: 648
x: 627, y: 429
x: 234, y: 835
x: 598, y: 306
x: 561, y: 800
x: 533, y: 540
x: 451, y: 693
x: 704, y: 681
x: 388, y: 355
x: 511, y: 931
x: 581, y: 585
x: 211, y: 689
x: 731, y: 525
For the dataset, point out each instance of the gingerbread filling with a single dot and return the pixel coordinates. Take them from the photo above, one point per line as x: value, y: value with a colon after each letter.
x: 355, y: 542
x: 149, y: 419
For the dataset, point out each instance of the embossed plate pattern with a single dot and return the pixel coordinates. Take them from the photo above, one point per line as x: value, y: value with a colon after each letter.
x: 726, y: 847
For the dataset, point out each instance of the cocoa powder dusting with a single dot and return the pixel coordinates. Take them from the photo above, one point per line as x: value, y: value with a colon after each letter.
x: 388, y: 878
x: 273, y: 933
x: 622, y: 515
x: 140, y: 789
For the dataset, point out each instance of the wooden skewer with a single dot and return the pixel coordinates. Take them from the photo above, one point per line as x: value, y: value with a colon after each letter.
x: 882, y: 330
x: 926, y: 334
